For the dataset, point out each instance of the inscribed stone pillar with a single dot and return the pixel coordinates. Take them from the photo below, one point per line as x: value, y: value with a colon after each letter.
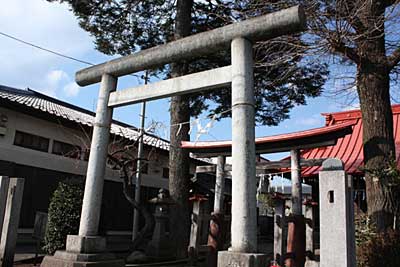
x: 336, y: 216
x: 4, y: 183
x: 11, y: 221
x: 308, y: 208
x: 219, y: 185
x: 279, y: 226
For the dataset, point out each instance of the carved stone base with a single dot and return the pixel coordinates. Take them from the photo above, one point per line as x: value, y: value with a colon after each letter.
x: 238, y: 259
x: 69, y: 259
x: 83, y: 251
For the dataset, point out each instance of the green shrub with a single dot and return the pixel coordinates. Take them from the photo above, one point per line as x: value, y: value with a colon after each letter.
x: 376, y: 249
x: 64, y: 214
x: 382, y: 250
x: 365, y: 230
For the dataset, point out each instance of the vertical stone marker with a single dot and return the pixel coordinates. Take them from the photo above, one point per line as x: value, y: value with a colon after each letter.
x: 336, y: 216
x: 217, y: 230
x: 297, y: 196
x: 310, y: 224
x: 279, y: 226
x: 219, y: 195
x: 11, y: 220
x: 4, y: 183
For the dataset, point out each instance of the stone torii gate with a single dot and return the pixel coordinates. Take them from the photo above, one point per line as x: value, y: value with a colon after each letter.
x: 88, y: 248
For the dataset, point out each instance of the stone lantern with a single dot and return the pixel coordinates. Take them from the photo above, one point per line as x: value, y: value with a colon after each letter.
x: 160, y: 244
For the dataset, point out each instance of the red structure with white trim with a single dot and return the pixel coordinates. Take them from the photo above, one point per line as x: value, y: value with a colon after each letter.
x: 348, y: 148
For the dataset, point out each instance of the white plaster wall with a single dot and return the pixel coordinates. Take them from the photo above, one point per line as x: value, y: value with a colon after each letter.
x: 29, y: 157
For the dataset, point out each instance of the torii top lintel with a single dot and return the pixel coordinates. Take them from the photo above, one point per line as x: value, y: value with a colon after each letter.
x: 324, y: 136
x: 287, y: 21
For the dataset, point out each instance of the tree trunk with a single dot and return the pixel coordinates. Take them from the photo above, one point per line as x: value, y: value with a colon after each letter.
x: 178, y: 158
x: 373, y: 85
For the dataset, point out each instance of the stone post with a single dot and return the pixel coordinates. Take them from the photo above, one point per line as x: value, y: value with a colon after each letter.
x: 200, y: 222
x: 244, y: 209
x: 4, y: 183
x: 87, y: 246
x: 279, y: 226
x: 296, y: 225
x: 216, y: 234
x: 11, y: 221
x: 337, y: 246
x: 296, y: 182
x: 308, y: 209
x: 139, y: 166
x: 219, y: 185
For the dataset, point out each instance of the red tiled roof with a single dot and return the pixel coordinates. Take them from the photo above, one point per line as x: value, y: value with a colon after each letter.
x: 348, y: 148
x: 309, y: 138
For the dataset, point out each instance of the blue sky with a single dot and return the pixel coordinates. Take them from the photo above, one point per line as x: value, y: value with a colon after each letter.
x: 54, y: 27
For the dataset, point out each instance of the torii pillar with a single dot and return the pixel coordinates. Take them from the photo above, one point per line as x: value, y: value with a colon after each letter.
x: 87, y: 248
x: 295, y: 256
x: 243, y: 250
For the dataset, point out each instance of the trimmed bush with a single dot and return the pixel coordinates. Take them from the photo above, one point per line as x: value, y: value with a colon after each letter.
x: 382, y: 250
x: 64, y: 214
x: 376, y: 249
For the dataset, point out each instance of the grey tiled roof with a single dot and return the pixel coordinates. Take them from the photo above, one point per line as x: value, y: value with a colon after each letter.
x: 54, y: 107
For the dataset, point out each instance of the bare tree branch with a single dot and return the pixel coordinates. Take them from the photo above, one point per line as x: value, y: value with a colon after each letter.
x: 394, y: 59
x: 388, y: 3
x: 127, y: 190
x: 348, y: 52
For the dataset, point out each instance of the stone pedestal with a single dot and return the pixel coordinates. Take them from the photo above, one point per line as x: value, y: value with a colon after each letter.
x: 83, y: 251
x: 239, y: 259
x: 311, y: 263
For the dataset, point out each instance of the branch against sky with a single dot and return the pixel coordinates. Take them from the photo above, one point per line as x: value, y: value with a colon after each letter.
x: 394, y: 58
x: 336, y: 29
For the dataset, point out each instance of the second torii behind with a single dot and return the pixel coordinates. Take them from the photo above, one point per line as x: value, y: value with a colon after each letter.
x: 292, y: 142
